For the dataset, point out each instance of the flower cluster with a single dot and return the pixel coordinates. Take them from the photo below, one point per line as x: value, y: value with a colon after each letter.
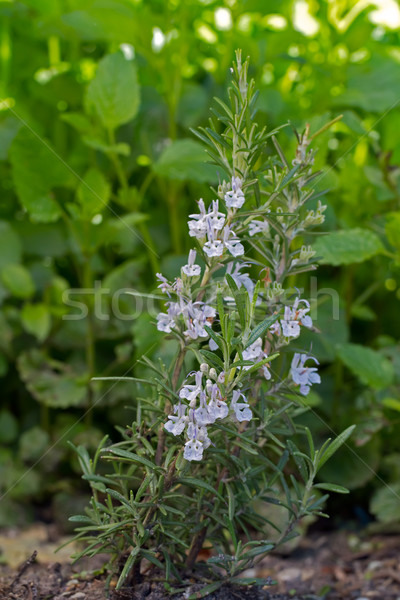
x: 191, y: 311
x: 293, y: 317
x: 192, y: 315
x: 201, y: 405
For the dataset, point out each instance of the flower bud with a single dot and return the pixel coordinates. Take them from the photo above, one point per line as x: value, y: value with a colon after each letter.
x: 213, y: 373
x: 204, y: 367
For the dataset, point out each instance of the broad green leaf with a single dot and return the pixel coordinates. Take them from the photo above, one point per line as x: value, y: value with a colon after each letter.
x: 114, y: 93
x: 36, y: 171
x: 373, y: 86
x: 36, y: 320
x: 10, y: 245
x: 51, y: 384
x: 18, y: 281
x: 393, y: 229
x: 347, y: 246
x: 392, y: 403
x: 78, y: 121
x: 93, y: 193
x: 185, y: 160
x: 8, y: 427
x: 33, y: 443
x: 8, y: 130
x: 385, y: 503
x: 98, y: 144
x: 370, y: 366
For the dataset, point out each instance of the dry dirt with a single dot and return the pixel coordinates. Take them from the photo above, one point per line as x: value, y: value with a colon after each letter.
x: 330, y: 566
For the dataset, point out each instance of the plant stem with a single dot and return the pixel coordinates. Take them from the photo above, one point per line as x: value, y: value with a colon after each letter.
x: 174, y: 382
x: 90, y: 340
x: 124, y: 183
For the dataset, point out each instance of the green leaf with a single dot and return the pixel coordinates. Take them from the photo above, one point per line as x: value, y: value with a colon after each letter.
x: 78, y: 121
x: 335, y: 445
x: 206, y: 590
x: 347, y: 246
x: 184, y: 160
x: 93, y: 193
x: 240, y: 296
x: 132, y: 457
x: 199, y: 483
x: 260, y: 329
x: 18, y: 281
x: 385, y: 503
x: 114, y: 93
x: 8, y: 130
x: 370, y: 366
x: 332, y: 487
x: 8, y: 427
x: 36, y: 172
x: 392, y: 403
x: 36, y: 320
x: 33, y: 443
x: 51, y: 384
x: 10, y: 245
x: 98, y: 144
x: 393, y: 229
x: 127, y: 567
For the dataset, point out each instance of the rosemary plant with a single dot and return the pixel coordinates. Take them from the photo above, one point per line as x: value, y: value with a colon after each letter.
x: 212, y: 449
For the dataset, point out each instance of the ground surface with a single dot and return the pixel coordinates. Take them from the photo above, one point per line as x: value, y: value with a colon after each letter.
x: 333, y: 566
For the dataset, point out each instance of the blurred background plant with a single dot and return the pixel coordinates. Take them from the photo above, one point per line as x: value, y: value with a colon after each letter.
x: 98, y: 172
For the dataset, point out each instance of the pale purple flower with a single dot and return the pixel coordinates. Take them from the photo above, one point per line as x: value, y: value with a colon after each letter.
x: 193, y: 450
x: 294, y: 317
x: 192, y: 391
x: 241, y: 409
x: 191, y: 270
x: 235, y: 198
x: 177, y: 422
x: 258, y: 227
x: 164, y: 285
x: 304, y: 376
x: 196, y: 316
x: 256, y: 354
x: 232, y: 242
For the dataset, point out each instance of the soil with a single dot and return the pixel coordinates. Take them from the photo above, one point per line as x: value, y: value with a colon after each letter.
x: 329, y: 566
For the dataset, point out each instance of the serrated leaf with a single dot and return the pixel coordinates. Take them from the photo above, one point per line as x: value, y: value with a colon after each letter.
x: 36, y: 320
x: 114, y: 93
x: 10, y: 245
x: 18, y: 281
x: 36, y: 172
x: 347, y: 246
x: 370, y: 366
x: 93, y: 193
x: 185, y: 160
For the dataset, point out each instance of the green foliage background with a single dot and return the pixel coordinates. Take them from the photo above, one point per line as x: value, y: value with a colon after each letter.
x: 99, y: 170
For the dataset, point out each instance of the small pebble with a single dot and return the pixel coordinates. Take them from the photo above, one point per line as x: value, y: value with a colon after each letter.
x: 78, y: 596
x: 73, y: 582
